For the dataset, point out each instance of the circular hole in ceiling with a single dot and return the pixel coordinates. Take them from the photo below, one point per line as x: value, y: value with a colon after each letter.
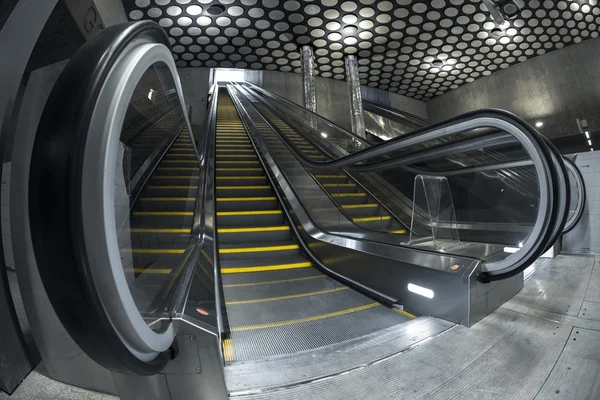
x: 350, y: 29
x: 215, y: 9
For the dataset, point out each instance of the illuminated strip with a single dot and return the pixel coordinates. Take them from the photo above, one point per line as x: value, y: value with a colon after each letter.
x: 238, y: 250
x: 264, y: 268
x: 273, y: 282
x: 258, y: 229
x: 292, y: 296
x: 304, y: 320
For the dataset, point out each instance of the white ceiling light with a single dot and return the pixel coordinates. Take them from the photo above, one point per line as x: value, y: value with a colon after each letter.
x: 539, y: 124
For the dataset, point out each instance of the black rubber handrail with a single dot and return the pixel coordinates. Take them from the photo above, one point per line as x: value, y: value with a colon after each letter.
x: 55, y: 206
x: 582, y: 196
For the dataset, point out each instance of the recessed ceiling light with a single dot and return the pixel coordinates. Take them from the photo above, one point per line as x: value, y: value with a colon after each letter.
x: 437, y: 63
x: 539, y: 124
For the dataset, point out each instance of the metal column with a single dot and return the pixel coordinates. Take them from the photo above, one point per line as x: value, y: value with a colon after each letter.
x: 309, y: 97
x: 356, y: 108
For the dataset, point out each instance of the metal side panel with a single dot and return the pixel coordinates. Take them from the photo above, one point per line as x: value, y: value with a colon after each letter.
x: 506, y: 356
x: 64, y: 360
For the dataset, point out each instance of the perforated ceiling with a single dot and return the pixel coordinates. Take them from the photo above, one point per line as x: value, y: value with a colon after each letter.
x: 418, y: 48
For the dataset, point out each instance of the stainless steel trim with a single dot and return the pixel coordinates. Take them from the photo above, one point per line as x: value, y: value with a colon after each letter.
x: 99, y: 168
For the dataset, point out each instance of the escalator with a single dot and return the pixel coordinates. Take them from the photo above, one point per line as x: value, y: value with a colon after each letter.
x: 253, y: 258
x: 274, y: 295
x: 386, y: 123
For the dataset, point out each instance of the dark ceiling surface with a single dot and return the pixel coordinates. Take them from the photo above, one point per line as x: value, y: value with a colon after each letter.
x: 396, y: 42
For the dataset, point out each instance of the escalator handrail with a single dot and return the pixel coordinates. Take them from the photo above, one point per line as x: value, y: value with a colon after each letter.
x: 529, y: 138
x: 351, y: 135
x: 417, y: 121
x: 572, y: 223
x: 57, y: 202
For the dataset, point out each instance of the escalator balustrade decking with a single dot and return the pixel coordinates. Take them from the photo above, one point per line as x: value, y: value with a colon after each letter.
x: 277, y: 302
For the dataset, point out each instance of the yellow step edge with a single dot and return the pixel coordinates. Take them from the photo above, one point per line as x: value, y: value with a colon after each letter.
x: 177, y: 169
x: 288, y: 297
x: 176, y: 177
x: 304, y: 320
x: 369, y: 219
x: 167, y: 198
x: 240, y: 213
x: 180, y: 161
x: 245, y: 198
x: 274, y: 282
x: 239, y: 169
x: 158, y: 271
x: 159, y: 230
x: 348, y: 194
x: 264, y: 268
x: 236, y: 162
x: 158, y: 251
x: 237, y: 250
x: 399, y: 231
x: 352, y: 206
x: 164, y: 213
x: 222, y: 156
x: 330, y: 176
x: 339, y: 184
x: 171, y: 187
x: 240, y: 177
x: 257, y: 229
x: 406, y: 314
x: 243, y: 187
x: 228, y: 352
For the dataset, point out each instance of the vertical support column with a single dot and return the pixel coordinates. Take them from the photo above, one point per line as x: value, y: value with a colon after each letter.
x: 356, y: 108
x: 309, y: 96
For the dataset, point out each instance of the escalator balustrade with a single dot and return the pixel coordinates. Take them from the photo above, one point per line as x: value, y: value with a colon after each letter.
x: 162, y: 219
x: 355, y: 202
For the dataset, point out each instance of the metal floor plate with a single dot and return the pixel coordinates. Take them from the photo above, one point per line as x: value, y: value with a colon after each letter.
x: 534, y: 347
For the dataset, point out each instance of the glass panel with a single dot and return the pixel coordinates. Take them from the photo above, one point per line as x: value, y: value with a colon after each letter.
x: 156, y: 186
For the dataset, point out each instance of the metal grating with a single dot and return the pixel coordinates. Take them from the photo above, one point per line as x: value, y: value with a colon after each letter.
x: 396, y: 42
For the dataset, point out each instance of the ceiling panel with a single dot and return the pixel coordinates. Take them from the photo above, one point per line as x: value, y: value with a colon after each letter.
x: 417, y: 48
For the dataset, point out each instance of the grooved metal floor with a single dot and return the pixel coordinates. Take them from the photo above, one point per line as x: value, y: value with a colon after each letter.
x: 539, y: 345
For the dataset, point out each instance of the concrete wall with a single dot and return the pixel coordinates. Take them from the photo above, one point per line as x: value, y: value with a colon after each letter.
x: 555, y: 88
x: 333, y: 101
x: 195, y: 83
x: 585, y: 237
